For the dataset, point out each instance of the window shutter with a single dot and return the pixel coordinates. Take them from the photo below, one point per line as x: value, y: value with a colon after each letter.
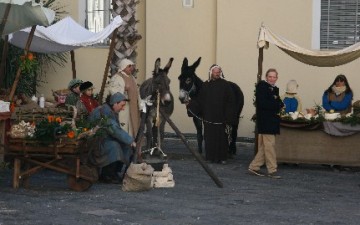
x: 339, y: 26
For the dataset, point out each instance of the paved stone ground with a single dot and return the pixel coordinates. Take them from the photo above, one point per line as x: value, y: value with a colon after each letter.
x: 307, y: 194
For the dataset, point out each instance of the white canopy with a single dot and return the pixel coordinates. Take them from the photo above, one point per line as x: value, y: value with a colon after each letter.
x: 22, y: 14
x: 63, y: 36
x: 311, y: 57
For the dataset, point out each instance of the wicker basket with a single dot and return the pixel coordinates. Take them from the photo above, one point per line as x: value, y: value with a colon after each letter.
x: 60, y: 95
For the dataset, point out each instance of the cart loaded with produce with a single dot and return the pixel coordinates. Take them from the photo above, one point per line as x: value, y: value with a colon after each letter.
x: 52, y: 138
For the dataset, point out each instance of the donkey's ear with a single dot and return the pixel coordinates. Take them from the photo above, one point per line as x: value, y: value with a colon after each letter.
x: 168, y: 65
x: 157, y: 66
x: 185, y: 64
x: 196, y: 63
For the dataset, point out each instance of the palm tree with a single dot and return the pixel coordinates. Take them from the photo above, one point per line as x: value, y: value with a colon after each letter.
x: 127, y: 35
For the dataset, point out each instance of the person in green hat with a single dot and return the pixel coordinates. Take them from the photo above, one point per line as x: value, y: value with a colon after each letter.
x: 74, y: 96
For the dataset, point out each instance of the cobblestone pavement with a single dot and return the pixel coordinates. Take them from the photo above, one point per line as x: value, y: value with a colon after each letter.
x: 307, y: 194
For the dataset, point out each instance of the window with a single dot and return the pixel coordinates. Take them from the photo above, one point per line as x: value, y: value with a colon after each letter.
x: 339, y: 23
x: 98, y: 15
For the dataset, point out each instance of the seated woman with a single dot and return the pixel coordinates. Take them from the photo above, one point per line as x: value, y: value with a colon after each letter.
x: 113, y: 147
x: 338, y: 97
x: 291, y: 101
x: 74, y: 96
x: 87, y: 103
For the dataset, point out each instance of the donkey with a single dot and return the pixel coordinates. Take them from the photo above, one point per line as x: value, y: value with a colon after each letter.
x: 190, y: 85
x: 159, y: 83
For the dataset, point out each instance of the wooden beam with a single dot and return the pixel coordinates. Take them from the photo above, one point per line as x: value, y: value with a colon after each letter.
x: 73, y: 66
x: 259, y: 76
x: 193, y: 152
x: 260, y: 63
x: 18, y: 73
x: 106, y: 71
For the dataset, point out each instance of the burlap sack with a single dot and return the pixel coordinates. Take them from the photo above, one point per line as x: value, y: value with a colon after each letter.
x: 138, y: 177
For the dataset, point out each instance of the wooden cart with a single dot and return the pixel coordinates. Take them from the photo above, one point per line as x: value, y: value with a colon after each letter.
x: 63, y: 155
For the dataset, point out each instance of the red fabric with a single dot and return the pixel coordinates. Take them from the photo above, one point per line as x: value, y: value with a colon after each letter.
x: 89, y: 102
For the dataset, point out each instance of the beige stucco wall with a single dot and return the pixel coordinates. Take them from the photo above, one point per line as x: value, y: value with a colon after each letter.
x: 174, y: 31
x: 223, y: 32
x: 90, y: 61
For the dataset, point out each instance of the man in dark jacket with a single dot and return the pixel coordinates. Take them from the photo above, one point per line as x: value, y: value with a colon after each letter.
x: 268, y: 106
x: 216, y: 104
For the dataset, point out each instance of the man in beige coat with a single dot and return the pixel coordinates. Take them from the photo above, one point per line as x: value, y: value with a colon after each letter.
x: 124, y: 82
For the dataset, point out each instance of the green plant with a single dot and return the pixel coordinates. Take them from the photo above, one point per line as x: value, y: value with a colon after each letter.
x: 28, y: 63
x: 33, y: 72
x: 48, y: 130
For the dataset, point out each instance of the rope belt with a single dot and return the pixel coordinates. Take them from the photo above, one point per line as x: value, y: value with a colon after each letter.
x: 228, y: 128
x: 205, y: 121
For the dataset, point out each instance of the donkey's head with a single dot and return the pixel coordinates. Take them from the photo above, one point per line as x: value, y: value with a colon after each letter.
x: 188, y: 80
x: 161, y: 81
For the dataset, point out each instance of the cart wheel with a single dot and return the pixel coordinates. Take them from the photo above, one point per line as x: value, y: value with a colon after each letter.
x: 78, y: 184
x: 90, y: 172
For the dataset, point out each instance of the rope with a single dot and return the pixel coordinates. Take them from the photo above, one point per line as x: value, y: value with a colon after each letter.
x: 228, y: 129
x: 157, y: 123
x: 205, y: 121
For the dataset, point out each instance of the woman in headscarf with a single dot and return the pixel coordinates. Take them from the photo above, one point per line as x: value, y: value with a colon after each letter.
x: 291, y: 99
x: 338, y: 97
x: 74, y: 96
x: 124, y: 82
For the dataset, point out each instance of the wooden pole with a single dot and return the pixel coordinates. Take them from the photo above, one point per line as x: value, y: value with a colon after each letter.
x: 3, y: 60
x: 111, y: 52
x: 138, y: 139
x: 18, y: 73
x: 260, y: 64
x: 259, y: 75
x: 194, y: 153
x: 73, y: 66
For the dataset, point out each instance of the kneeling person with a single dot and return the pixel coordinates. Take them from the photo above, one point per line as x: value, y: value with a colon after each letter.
x: 113, y: 149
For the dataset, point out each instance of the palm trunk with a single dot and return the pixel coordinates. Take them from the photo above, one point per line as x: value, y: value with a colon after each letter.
x: 127, y: 36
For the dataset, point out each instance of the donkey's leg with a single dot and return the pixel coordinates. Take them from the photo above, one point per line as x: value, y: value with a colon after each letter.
x: 154, y: 135
x: 162, y: 129
x: 199, y: 133
x: 232, y: 146
x: 149, y: 136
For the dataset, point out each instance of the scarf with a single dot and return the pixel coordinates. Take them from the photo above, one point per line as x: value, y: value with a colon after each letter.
x: 338, y: 90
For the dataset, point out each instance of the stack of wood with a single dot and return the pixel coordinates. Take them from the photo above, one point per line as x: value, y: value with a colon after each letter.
x: 32, y: 113
x: 61, y: 146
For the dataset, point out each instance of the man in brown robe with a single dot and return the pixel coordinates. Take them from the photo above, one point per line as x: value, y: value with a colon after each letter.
x: 216, y: 105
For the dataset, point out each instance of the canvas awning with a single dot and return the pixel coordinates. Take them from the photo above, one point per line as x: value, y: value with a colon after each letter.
x: 63, y: 36
x: 18, y: 14
x: 310, y: 57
